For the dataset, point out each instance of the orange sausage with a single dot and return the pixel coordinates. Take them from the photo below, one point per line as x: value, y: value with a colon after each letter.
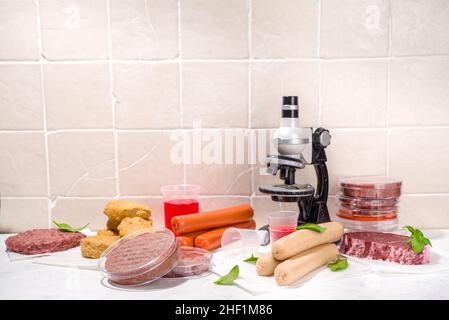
x: 185, y: 241
x: 212, y: 240
x: 212, y: 219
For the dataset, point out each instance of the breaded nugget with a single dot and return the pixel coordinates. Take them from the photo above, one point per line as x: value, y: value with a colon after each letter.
x: 92, y: 247
x: 112, y: 224
x: 107, y: 233
x: 120, y: 209
x: 129, y: 225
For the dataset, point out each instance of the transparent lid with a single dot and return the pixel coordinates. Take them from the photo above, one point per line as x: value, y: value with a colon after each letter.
x: 140, y: 257
x: 368, y: 204
x: 194, y: 262
x: 370, y: 182
x: 374, y: 187
x: 381, y: 225
x: 367, y: 215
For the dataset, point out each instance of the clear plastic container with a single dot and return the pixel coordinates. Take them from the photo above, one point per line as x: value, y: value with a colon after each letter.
x: 235, y: 241
x: 194, y: 262
x: 368, y: 204
x: 180, y: 199
x: 377, y: 225
x: 370, y: 187
x: 141, y: 257
x: 367, y: 215
x: 282, y: 223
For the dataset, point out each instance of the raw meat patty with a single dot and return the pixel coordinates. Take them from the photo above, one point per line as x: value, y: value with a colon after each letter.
x: 38, y: 241
x: 143, y: 258
x: 382, y: 246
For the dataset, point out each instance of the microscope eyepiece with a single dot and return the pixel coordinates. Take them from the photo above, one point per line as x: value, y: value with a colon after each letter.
x: 290, y: 113
x: 290, y: 100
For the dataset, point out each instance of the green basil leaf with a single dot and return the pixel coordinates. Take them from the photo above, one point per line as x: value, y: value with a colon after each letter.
x: 311, y: 226
x: 340, y: 264
x: 230, y: 277
x: 417, y: 240
x: 67, y: 228
x: 252, y: 259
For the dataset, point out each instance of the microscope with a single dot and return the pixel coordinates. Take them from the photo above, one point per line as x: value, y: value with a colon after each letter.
x: 298, y: 147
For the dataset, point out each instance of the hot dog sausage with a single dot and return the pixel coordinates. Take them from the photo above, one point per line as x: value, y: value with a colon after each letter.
x: 185, y: 241
x: 304, y: 239
x: 212, y: 219
x: 266, y: 264
x: 293, y: 269
x: 188, y: 239
x: 212, y: 240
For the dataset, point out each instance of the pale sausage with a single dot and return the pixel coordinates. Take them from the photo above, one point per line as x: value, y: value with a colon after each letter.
x: 293, y: 269
x: 304, y: 239
x: 266, y: 264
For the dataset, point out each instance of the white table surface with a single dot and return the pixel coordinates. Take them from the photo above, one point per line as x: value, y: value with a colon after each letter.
x: 26, y: 280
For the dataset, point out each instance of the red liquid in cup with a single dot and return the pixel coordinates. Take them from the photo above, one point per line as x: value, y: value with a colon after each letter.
x: 179, y: 207
x: 277, y: 232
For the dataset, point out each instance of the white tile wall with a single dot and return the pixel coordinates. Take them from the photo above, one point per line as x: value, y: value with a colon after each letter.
x: 73, y: 29
x: 18, y: 30
x: 92, y: 91
x: 144, y: 30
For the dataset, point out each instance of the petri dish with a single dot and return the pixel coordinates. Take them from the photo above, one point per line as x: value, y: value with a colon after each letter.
x: 367, y: 215
x: 141, y: 257
x: 371, y: 187
x: 194, y: 262
x: 368, y: 204
x: 367, y: 225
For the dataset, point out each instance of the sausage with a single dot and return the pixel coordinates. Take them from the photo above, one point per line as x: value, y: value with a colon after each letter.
x: 212, y: 219
x: 266, y: 264
x: 304, y: 239
x: 188, y: 239
x: 212, y: 239
x: 185, y: 241
x: 293, y: 269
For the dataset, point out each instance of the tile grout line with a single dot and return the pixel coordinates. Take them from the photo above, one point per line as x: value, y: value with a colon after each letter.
x: 250, y: 73
x: 44, y: 113
x: 318, y: 53
x: 236, y: 60
x: 431, y: 194
x: 130, y: 130
x: 388, y: 98
x: 113, y: 102
x: 181, y: 92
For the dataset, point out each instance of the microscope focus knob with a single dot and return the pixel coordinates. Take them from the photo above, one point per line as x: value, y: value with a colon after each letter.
x: 321, y: 138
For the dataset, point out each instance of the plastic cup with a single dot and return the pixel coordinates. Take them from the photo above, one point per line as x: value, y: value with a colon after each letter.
x: 236, y: 241
x: 282, y: 223
x: 180, y: 199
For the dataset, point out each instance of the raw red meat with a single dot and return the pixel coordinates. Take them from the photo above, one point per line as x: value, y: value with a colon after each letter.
x: 370, y: 187
x: 382, y: 246
x: 142, y: 257
x: 193, y: 262
x: 39, y: 241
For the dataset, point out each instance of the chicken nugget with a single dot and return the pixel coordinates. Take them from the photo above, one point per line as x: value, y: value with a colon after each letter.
x: 120, y: 209
x: 112, y: 224
x: 129, y: 225
x: 92, y: 247
x: 107, y: 233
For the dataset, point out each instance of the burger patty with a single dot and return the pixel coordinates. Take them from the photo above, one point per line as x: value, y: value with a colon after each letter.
x: 38, y: 241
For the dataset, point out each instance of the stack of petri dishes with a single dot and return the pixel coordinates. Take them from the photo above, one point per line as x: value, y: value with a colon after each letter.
x: 369, y: 203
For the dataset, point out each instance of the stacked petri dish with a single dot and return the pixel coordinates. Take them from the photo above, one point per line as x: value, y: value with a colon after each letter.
x: 369, y: 203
